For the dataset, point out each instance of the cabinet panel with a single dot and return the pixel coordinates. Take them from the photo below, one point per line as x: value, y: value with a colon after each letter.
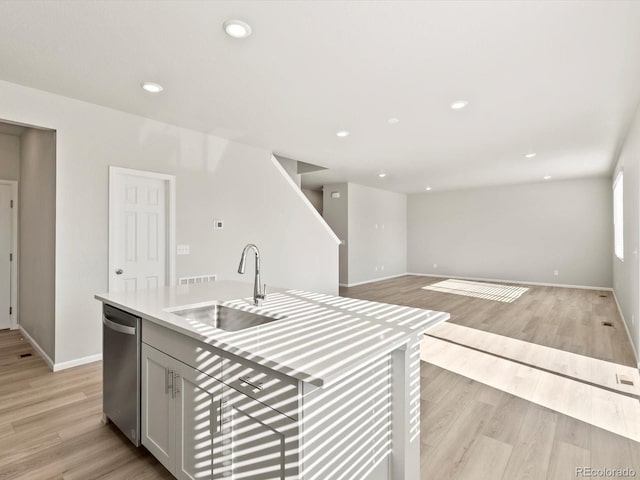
x: 259, y: 442
x: 271, y: 388
x: 199, y: 355
x: 350, y: 424
x: 158, y: 412
x: 198, y: 409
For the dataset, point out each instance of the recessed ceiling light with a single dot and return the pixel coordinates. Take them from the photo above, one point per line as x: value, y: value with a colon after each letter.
x: 530, y: 155
x: 237, y: 28
x: 382, y: 174
x: 459, y: 104
x: 547, y: 177
x: 428, y: 189
x: 393, y: 121
x: 342, y: 133
x: 151, y: 87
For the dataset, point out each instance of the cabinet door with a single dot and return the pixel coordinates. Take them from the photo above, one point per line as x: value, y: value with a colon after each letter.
x: 259, y: 442
x: 197, y: 422
x: 158, y: 412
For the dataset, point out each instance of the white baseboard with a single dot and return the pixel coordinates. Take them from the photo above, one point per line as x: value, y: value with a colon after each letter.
x: 56, y: 367
x: 502, y: 280
x: 626, y: 327
x: 373, y: 280
x: 77, y: 362
x: 37, y: 348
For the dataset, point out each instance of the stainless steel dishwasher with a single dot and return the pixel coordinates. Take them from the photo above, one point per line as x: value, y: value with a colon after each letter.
x: 121, y: 370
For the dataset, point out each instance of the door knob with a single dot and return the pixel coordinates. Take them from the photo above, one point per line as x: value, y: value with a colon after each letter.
x: 119, y: 271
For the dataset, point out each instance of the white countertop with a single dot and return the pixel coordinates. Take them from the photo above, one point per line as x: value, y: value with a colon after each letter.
x: 322, y: 338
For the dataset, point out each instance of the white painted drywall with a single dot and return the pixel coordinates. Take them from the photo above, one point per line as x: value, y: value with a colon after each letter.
x: 377, y: 233
x: 315, y: 197
x: 373, y: 225
x: 626, y: 273
x: 9, y: 157
x: 215, y: 178
x: 518, y: 233
x: 291, y: 167
x: 37, y: 237
x: 334, y: 212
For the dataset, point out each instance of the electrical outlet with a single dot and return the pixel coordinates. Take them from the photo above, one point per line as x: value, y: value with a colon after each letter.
x: 218, y: 224
x: 435, y: 265
x: 376, y: 268
x: 375, y: 226
x: 382, y: 268
x: 556, y: 272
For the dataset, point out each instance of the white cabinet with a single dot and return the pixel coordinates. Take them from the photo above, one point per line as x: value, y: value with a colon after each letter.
x: 197, y: 422
x: 180, y: 415
x: 209, y: 414
x: 259, y: 442
x: 158, y: 407
x: 200, y: 428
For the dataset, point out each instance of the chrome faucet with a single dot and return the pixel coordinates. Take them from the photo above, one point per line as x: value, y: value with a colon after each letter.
x: 258, y: 294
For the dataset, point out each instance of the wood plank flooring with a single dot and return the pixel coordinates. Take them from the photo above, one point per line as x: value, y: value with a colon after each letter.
x: 50, y: 424
x: 471, y: 430
x: 568, y: 319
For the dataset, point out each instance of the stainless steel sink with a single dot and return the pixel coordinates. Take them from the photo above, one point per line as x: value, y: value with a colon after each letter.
x: 226, y: 318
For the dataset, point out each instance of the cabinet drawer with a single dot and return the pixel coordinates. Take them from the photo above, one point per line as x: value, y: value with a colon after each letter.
x: 271, y: 388
x: 188, y: 350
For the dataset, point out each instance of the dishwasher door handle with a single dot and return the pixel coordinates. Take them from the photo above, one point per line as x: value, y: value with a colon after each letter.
x: 118, y: 327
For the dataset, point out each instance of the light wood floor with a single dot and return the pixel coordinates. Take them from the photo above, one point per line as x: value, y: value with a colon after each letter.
x: 471, y: 430
x: 564, y: 318
x: 50, y: 422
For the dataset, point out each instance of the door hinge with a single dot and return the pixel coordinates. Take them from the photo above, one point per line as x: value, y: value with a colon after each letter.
x: 10, y: 310
x: 11, y: 203
x: 11, y: 257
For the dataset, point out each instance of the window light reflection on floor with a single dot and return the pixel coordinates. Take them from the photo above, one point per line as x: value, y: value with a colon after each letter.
x: 581, y: 397
x: 487, y: 291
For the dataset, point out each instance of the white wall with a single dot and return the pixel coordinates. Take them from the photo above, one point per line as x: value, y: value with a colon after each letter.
x: 377, y: 233
x: 335, y: 213
x: 291, y: 167
x: 517, y: 233
x: 37, y: 212
x: 373, y: 224
x: 626, y: 273
x: 315, y: 197
x: 216, y: 178
x: 9, y: 157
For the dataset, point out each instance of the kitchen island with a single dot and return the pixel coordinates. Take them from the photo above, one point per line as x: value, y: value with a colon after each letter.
x: 329, y: 389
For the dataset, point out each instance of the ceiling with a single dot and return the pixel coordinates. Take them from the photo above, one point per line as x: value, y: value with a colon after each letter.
x: 561, y: 79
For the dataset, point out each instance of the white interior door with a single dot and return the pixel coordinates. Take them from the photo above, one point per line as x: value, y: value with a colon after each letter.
x: 138, y: 247
x: 6, y: 236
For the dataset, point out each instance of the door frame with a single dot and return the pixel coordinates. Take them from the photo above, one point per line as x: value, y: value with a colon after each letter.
x: 170, y: 191
x: 14, y: 247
